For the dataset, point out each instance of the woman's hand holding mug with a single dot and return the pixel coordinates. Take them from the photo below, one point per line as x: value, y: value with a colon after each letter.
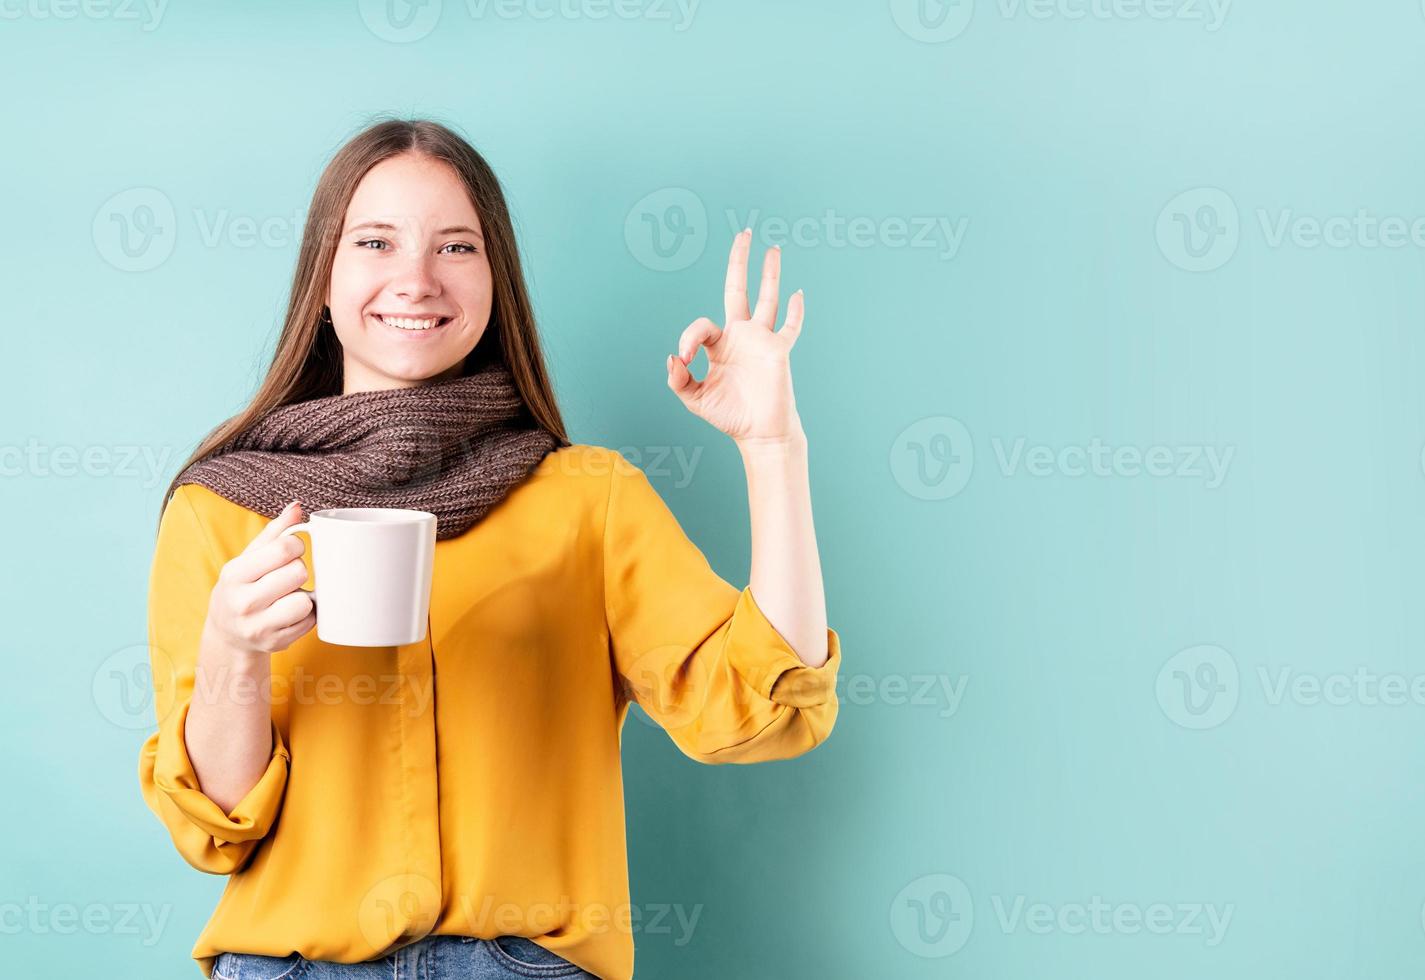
x: 258, y: 606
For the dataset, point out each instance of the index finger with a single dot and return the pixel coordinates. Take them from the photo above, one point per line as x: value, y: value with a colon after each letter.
x: 267, y: 551
x: 767, y: 295
x: 734, y: 292
x: 291, y: 514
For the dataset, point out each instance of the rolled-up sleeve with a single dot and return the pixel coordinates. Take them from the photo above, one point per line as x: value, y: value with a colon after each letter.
x: 696, y: 653
x: 185, y: 568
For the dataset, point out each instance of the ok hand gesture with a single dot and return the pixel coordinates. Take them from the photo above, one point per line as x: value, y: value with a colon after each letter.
x: 747, y: 391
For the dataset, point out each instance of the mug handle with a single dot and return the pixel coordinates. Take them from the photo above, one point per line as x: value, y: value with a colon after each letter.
x: 304, y: 527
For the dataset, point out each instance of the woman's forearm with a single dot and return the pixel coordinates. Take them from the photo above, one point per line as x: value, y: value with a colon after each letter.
x: 228, y: 732
x: 786, y: 568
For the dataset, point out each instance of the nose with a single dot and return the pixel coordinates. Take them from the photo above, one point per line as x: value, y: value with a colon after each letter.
x: 416, y: 279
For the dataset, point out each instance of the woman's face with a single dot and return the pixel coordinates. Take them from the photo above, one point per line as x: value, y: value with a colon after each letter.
x: 411, y: 252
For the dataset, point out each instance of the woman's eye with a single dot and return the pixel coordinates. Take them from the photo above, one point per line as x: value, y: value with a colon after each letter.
x: 464, y: 249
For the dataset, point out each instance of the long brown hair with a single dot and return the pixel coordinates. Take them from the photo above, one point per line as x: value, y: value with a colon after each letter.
x: 307, y: 362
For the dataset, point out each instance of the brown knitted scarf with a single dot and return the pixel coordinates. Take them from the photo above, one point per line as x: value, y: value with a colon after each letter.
x: 453, y: 447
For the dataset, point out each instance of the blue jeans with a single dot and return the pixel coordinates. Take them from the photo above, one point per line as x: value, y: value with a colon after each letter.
x: 432, y: 958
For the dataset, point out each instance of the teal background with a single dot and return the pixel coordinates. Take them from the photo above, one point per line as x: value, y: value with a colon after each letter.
x: 1079, y: 763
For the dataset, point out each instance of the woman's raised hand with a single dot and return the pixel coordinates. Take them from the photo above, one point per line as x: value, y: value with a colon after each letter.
x: 258, y: 605
x: 747, y: 391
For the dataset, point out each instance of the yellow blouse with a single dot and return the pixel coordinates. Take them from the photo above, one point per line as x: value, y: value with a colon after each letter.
x: 470, y: 784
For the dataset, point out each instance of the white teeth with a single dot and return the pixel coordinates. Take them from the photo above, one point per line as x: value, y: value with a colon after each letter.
x: 406, y: 323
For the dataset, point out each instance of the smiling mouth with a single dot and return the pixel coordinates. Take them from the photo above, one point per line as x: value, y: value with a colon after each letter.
x: 412, y: 324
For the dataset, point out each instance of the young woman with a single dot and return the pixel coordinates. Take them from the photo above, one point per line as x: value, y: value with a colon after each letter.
x: 454, y: 807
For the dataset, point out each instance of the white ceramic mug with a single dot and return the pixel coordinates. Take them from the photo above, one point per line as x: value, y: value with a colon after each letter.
x: 372, y: 567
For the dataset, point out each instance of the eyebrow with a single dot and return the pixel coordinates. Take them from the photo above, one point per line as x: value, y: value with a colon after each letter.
x: 386, y: 226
